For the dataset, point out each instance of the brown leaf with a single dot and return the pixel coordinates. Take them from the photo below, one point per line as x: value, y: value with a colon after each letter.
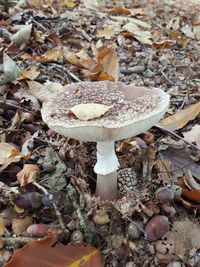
x: 2, y: 227
x: 193, y: 135
x: 28, y: 174
x: 44, y: 91
x: 179, y: 242
x: 118, y: 10
x: 31, y: 74
x: 8, y: 154
x: 107, y: 32
x: 163, y: 44
x: 193, y: 195
x: 19, y: 225
x: 49, y: 252
x: 177, y: 37
x: 109, y: 60
x: 180, y: 159
x: 181, y: 118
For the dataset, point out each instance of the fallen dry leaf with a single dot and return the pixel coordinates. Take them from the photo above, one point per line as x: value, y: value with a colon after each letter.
x: 11, y: 71
x: 108, y: 59
x: 181, y: 118
x: 22, y: 36
x: 139, y: 34
x: 28, y: 174
x: 193, y: 195
x: 19, y: 225
x: 179, y: 159
x: 92, y: 4
x: 178, y: 243
x: 50, y: 252
x: 44, y: 91
x: 89, y: 111
x: 8, y: 155
x: 107, y: 32
x: 193, y: 135
x: 2, y: 227
x: 31, y: 74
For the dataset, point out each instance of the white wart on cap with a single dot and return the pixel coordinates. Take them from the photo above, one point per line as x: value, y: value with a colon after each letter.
x: 135, y: 109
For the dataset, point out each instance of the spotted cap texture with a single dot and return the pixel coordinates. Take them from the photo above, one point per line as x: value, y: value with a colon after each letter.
x: 135, y: 109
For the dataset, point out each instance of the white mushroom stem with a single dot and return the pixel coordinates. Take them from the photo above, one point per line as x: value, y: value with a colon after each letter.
x: 106, y: 169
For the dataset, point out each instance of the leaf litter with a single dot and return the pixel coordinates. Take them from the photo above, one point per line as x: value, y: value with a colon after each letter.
x: 46, y: 45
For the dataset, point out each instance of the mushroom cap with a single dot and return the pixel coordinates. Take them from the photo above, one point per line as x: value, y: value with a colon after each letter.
x: 135, y: 109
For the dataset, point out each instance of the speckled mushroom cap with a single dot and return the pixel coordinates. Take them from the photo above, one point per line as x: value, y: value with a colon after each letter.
x: 135, y: 110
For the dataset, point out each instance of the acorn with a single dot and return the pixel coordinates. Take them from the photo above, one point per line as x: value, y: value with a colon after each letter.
x: 28, y: 117
x: 77, y: 237
x: 177, y: 190
x: 164, y: 195
x: 156, y: 227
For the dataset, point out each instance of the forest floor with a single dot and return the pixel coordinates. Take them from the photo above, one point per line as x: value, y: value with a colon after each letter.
x: 47, y: 181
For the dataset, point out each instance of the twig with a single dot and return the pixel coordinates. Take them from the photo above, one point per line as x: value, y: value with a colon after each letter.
x: 58, y: 214
x: 21, y: 239
x: 176, y: 135
x: 73, y: 76
x: 2, y: 130
x: 40, y: 25
x: 85, y: 35
x: 81, y: 219
x: 165, y: 76
x: 15, y: 106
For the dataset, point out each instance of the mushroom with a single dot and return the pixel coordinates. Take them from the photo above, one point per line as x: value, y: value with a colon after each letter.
x: 134, y: 110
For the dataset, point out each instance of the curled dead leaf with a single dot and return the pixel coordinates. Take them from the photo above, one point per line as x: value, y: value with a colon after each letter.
x: 28, y: 174
x: 181, y: 118
x: 8, y: 155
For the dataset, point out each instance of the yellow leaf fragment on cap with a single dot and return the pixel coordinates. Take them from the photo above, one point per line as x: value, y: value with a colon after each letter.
x: 89, y: 111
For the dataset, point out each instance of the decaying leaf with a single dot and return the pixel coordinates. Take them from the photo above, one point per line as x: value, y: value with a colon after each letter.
x: 11, y: 71
x: 19, y: 225
x: 141, y: 35
x: 28, y: 174
x: 193, y: 135
x: 92, y: 4
x: 107, y: 32
x: 8, y: 154
x: 31, y: 74
x: 22, y: 36
x: 193, y: 195
x: 187, y: 30
x: 181, y: 243
x: 181, y: 118
x: 89, y: 111
x: 44, y: 91
x: 109, y: 62
x: 49, y: 252
x: 180, y: 159
x: 54, y: 179
x: 196, y: 31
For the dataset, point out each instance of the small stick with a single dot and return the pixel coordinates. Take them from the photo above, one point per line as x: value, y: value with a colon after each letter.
x: 176, y: 135
x: 20, y: 239
x: 58, y: 214
x: 81, y: 219
x: 15, y: 106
